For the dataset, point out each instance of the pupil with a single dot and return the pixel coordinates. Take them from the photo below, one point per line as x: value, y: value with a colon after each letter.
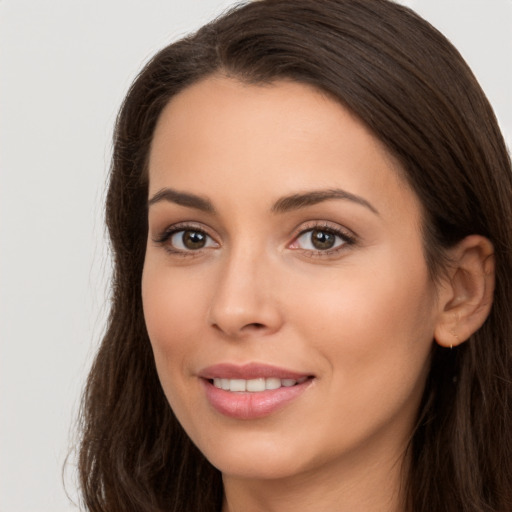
x: 194, y: 239
x: 322, y: 239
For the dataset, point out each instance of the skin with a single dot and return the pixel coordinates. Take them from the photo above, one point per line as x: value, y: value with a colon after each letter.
x: 360, y: 318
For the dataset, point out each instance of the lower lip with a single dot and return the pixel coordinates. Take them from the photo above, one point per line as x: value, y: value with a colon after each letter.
x: 248, y: 406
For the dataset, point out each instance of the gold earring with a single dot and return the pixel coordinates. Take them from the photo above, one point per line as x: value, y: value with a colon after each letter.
x: 452, y: 332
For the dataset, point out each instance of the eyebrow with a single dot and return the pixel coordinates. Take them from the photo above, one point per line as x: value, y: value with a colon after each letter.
x: 183, y: 199
x: 283, y: 205
x: 297, y: 201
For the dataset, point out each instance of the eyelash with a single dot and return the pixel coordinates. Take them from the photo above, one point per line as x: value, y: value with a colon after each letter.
x: 346, y: 237
x: 168, y: 233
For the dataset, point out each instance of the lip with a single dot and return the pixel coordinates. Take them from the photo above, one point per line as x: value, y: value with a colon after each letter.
x: 247, y: 405
x: 249, y: 371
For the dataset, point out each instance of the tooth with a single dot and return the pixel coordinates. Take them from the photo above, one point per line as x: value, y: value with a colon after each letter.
x: 255, y: 385
x: 272, y: 383
x: 237, y: 385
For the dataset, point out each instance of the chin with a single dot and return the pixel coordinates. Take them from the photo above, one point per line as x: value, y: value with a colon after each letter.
x: 259, y: 457
x: 258, y: 468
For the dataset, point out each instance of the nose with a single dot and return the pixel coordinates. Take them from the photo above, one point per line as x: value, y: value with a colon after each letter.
x: 244, y: 303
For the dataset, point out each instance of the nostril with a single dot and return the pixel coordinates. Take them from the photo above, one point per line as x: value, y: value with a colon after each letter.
x: 255, y: 326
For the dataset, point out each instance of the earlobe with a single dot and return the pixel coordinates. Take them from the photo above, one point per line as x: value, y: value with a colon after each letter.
x: 469, y: 289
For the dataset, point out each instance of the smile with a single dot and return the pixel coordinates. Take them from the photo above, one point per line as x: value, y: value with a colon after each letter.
x: 255, y: 385
x: 252, y: 391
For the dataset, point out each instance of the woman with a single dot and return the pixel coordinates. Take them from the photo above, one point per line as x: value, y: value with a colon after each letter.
x: 309, y: 210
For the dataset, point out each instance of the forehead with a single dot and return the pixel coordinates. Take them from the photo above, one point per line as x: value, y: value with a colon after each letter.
x: 277, y: 138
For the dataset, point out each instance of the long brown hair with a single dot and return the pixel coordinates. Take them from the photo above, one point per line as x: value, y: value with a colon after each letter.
x: 414, y: 91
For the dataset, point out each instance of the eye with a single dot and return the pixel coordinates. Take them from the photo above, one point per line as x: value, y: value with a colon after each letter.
x: 321, y: 239
x: 183, y: 239
x: 190, y: 240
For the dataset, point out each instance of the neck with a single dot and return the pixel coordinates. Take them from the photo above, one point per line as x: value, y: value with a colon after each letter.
x: 348, y: 486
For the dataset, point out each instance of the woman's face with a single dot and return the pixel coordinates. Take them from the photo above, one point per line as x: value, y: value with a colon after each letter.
x: 285, y: 288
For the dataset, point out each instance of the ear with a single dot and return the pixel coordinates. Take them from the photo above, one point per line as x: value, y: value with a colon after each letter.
x: 466, y: 293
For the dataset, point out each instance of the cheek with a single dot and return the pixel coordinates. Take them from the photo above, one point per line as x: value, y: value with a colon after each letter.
x: 173, y: 300
x: 174, y: 312
x: 366, y: 310
x: 377, y: 348
x: 373, y: 329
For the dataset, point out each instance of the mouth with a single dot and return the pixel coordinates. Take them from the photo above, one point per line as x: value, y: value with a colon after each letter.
x: 252, y: 391
x: 256, y: 385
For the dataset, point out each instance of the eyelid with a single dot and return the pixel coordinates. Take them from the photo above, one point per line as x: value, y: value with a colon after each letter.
x: 169, y: 230
x: 347, y: 236
x: 164, y: 236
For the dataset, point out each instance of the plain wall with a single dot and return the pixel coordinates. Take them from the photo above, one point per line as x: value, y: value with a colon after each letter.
x: 64, y: 68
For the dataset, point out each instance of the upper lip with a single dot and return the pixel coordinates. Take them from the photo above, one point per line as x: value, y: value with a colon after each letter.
x: 249, y: 371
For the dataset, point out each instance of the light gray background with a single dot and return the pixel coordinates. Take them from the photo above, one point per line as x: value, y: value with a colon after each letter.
x: 64, y: 68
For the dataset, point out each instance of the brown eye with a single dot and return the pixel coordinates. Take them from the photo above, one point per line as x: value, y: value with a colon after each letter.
x: 191, y: 240
x: 322, y: 239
